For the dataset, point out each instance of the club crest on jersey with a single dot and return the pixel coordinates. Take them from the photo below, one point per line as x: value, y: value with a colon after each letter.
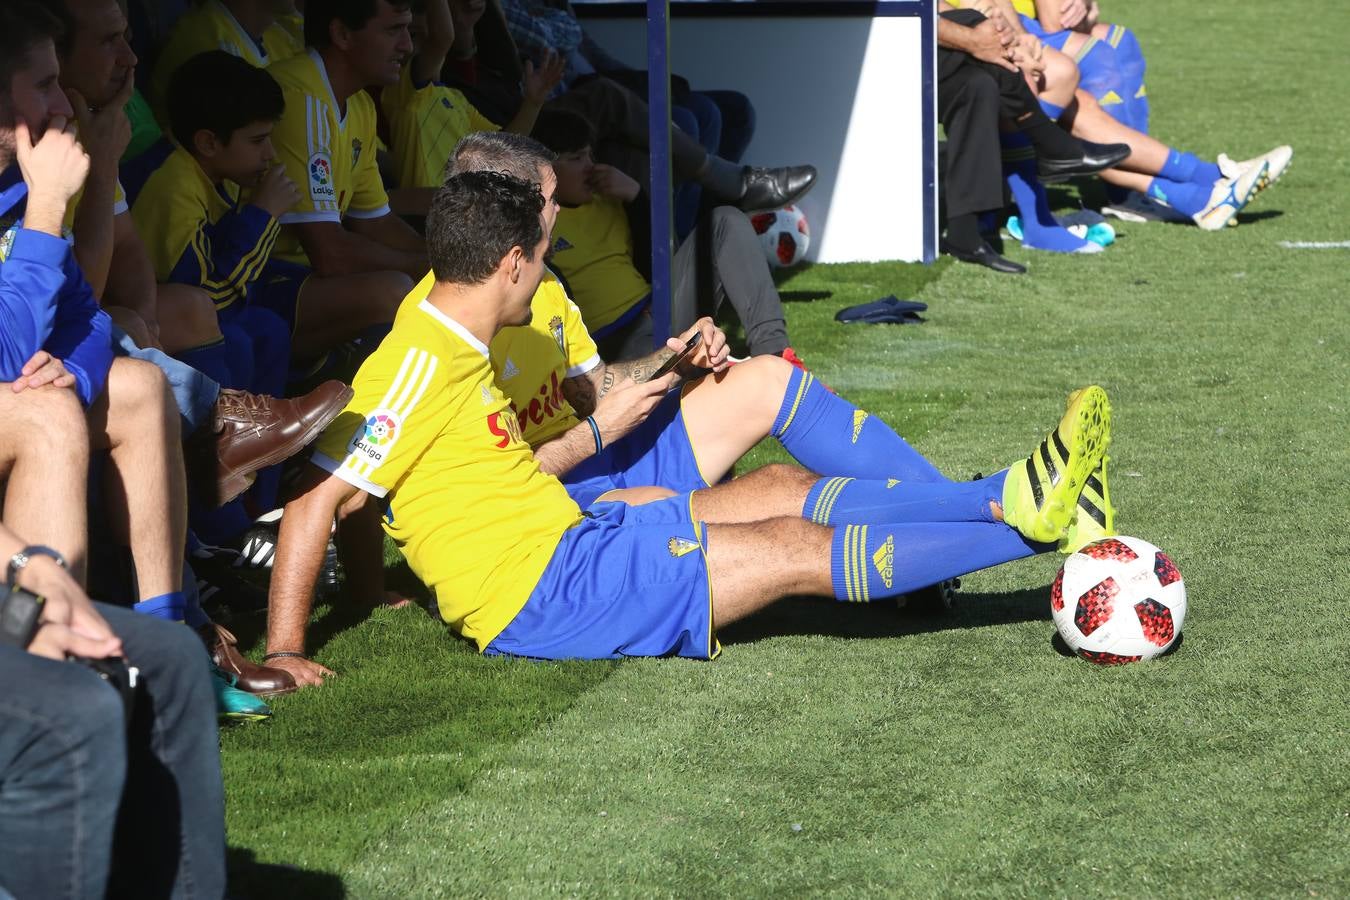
x: 356, y: 151
x: 555, y: 328
x: 376, y: 436
x: 679, y: 546
x: 321, y: 186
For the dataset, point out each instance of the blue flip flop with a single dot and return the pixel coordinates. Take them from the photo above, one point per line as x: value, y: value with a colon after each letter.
x: 886, y: 311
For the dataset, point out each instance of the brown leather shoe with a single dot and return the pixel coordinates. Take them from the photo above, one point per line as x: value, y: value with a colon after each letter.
x: 251, y: 432
x: 262, y: 681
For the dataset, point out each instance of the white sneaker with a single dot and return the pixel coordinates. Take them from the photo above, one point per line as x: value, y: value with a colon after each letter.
x: 1231, y: 193
x: 1277, y: 160
x: 1137, y: 207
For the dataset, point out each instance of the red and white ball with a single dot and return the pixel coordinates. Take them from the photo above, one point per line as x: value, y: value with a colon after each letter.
x: 784, y: 234
x: 1118, y: 600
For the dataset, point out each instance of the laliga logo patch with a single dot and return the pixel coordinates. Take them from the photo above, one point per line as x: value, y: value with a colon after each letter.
x: 321, y: 178
x: 375, y: 438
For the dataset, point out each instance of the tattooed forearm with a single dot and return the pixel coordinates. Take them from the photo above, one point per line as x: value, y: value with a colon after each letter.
x: 638, y: 369
x: 580, y: 392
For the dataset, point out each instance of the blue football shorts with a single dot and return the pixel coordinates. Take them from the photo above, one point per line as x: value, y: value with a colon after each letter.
x: 657, y: 453
x: 625, y: 581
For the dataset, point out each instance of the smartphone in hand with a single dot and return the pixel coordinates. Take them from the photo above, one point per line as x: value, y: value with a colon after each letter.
x: 670, y: 364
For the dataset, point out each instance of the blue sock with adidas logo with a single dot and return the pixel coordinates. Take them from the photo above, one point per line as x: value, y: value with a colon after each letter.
x: 835, y: 501
x: 874, y: 561
x: 829, y: 435
x: 871, y: 562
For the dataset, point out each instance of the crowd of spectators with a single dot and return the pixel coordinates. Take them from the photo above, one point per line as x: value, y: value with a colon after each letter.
x: 212, y: 213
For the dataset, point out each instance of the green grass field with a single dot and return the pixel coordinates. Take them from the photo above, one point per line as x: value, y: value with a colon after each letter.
x: 842, y: 750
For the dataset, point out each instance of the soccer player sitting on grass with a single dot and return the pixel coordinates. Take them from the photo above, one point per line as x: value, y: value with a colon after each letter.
x: 593, y: 249
x: 520, y: 570
x: 428, y: 118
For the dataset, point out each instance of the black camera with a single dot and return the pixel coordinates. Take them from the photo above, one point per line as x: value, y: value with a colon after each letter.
x: 118, y: 673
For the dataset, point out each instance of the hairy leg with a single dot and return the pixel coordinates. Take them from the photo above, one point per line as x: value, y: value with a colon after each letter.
x: 44, y: 451
x: 331, y: 310
x: 775, y: 491
x: 1087, y: 120
x: 800, y: 554
x: 137, y: 422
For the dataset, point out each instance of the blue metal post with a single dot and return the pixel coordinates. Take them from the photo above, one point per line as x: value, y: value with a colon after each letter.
x: 658, y: 123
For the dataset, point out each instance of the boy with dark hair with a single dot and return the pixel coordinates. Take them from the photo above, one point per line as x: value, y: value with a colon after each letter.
x: 198, y: 228
x: 593, y: 250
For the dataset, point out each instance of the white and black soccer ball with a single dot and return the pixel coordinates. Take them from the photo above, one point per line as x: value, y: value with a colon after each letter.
x: 785, y: 235
x: 1118, y: 600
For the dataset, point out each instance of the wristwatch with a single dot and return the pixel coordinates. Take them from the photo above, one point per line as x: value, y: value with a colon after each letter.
x: 21, y: 559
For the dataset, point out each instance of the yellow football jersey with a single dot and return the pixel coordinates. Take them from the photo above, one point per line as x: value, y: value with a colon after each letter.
x: 531, y: 361
x: 210, y: 26
x: 469, y: 507
x: 425, y: 124
x: 329, y: 156
x: 593, y: 249
x: 1024, y: 7
x: 199, y: 234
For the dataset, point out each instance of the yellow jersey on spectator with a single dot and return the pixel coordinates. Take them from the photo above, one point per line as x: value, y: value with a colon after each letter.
x: 532, y: 361
x: 429, y: 430
x: 425, y: 123
x: 330, y: 156
x: 593, y: 249
x: 210, y: 26
x: 199, y: 234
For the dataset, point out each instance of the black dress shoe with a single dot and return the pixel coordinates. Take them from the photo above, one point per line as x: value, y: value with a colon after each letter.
x: 768, y: 189
x: 1095, y: 158
x: 984, y: 255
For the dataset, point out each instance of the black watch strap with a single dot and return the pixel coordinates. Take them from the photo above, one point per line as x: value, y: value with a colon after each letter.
x: 20, y: 611
x: 21, y: 559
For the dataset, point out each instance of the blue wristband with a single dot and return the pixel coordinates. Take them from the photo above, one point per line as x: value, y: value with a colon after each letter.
x: 595, y: 430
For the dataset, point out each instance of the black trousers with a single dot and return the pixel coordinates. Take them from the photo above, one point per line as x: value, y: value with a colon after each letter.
x: 972, y: 96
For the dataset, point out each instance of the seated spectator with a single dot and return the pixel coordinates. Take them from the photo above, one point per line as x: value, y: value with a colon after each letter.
x: 61, y: 337
x: 1167, y: 183
x: 198, y: 227
x: 593, y: 249
x: 722, y: 121
x: 540, y: 578
x: 350, y: 257
x: 98, y: 798
x: 428, y: 118
x: 247, y: 29
x: 618, y: 115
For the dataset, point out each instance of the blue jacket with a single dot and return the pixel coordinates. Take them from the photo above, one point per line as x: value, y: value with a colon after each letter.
x: 45, y: 303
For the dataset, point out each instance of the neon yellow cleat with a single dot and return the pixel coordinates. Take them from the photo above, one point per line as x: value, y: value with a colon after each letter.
x: 1040, y: 495
x: 1095, y: 517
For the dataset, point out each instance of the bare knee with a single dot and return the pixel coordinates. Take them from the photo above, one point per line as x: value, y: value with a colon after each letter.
x: 1061, y: 73
x: 187, y: 317
x: 131, y: 322
x: 391, y: 288
x: 139, y: 397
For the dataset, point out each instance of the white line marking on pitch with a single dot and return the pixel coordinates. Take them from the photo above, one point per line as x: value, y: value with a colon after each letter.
x: 1315, y: 245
